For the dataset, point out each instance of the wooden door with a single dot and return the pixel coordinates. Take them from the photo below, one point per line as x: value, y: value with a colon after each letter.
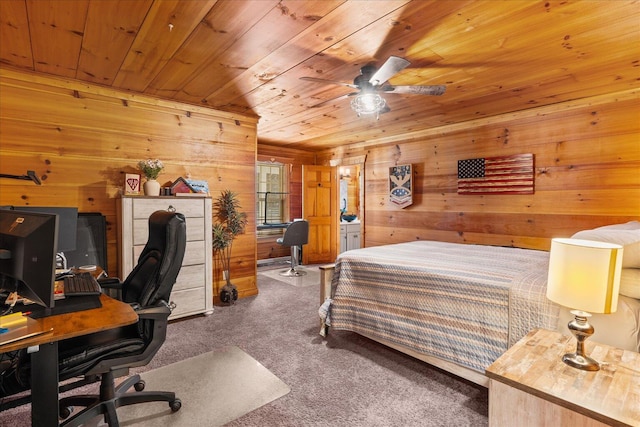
x: 319, y: 195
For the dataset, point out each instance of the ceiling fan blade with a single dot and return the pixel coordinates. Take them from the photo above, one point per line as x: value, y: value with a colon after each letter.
x: 416, y: 90
x: 334, y: 99
x: 331, y: 82
x: 391, y: 66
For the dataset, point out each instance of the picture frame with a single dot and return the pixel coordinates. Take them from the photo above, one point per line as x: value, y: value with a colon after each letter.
x: 132, y: 183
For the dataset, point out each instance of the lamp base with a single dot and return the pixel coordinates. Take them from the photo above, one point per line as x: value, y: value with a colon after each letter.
x: 582, y: 330
x: 581, y: 362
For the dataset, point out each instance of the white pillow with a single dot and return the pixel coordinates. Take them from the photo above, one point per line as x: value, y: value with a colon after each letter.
x: 631, y: 225
x: 630, y: 282
x: 629, y: 239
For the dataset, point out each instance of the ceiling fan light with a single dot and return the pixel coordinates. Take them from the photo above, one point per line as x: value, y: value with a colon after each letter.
x: 368, y: 103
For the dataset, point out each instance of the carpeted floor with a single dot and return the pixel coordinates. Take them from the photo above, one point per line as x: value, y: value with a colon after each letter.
x: 344, y: 380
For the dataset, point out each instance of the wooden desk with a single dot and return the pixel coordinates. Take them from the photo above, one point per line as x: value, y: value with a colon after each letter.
x: 44, y: 361
x: 531, y: 385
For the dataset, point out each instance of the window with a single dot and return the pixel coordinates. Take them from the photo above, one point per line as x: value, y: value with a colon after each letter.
x: 272, y: 194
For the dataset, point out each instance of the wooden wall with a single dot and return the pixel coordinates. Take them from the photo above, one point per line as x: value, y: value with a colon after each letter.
x: 81, y: 140
x: 587, y: 174
x: 267, y: 246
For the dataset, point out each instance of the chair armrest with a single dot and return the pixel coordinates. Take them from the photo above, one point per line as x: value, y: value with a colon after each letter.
x: 110, y: 283
x: 111, y: 286
x: 158, y: 312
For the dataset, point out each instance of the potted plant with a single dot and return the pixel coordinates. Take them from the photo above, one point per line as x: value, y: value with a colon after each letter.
x: 228, y: 222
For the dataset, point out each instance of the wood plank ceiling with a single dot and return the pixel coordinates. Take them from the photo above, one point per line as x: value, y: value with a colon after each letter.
x: 248, y: 56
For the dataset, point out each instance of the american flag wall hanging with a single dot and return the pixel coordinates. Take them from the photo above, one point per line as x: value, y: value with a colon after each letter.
x: 496, y: 175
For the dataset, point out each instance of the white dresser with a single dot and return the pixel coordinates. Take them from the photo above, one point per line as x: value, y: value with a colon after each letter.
x: 192, y: 293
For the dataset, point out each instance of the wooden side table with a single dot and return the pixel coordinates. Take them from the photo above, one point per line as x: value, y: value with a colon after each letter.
x: 530, y: 385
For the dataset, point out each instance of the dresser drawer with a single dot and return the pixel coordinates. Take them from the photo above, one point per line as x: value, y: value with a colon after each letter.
x: 189, y: 301
x: 195, y: 229
x: 143, y: 208
x: 194, y: 253
x: 190, y: 276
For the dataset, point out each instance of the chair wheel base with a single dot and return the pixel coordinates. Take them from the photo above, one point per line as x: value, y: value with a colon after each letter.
x: 139, y: 386
x: 65, y: 412
x: 293, y: 273
x: 175, y: 405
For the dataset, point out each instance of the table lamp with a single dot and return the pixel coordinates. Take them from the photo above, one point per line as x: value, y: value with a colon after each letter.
x: 584, y: 275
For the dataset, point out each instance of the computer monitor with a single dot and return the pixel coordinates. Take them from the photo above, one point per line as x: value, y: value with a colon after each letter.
x: 67, y: 219
x: 91, y: 241
x: 28, y: 247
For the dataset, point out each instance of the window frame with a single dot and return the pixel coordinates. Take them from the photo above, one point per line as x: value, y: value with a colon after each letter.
x: 265, y: 189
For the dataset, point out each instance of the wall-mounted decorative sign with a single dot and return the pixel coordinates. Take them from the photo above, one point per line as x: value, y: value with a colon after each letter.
x: 400, y: 185
x: 496, y: 175
x: 132, y: 183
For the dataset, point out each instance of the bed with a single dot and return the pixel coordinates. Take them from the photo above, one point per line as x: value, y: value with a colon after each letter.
x: 460, y: 306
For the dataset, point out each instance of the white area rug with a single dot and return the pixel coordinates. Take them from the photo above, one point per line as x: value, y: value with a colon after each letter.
x: 215, y: 388
x: 312, y: 278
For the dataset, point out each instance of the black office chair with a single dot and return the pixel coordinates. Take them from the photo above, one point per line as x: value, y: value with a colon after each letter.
x: 109, y: 354
x: 296, y: 235
x: 112, y: 353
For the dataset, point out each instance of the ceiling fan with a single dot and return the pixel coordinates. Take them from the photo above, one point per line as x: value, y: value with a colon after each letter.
x: 372, y: 81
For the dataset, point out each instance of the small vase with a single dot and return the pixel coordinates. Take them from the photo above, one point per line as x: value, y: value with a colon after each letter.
x: 151, y: 188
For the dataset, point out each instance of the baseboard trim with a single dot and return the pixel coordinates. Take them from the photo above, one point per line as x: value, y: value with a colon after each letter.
x: 271, y: 261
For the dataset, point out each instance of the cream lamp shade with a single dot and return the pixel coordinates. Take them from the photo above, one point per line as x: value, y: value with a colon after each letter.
x: 584, y: 274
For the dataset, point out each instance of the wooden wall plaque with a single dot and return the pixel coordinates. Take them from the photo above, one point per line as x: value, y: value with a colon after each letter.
x: 496, y: 175
x: 401, y: 185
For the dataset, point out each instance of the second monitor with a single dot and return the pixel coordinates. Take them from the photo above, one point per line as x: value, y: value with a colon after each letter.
x: 27, y: 254
x: 67, y: 226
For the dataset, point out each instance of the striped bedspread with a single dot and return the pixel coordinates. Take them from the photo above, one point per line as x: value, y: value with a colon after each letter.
x: 462, y: 303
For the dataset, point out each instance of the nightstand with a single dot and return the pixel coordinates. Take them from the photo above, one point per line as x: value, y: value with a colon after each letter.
x: 529, y: 385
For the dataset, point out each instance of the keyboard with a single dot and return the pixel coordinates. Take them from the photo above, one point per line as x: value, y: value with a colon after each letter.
x: 81, y: 284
